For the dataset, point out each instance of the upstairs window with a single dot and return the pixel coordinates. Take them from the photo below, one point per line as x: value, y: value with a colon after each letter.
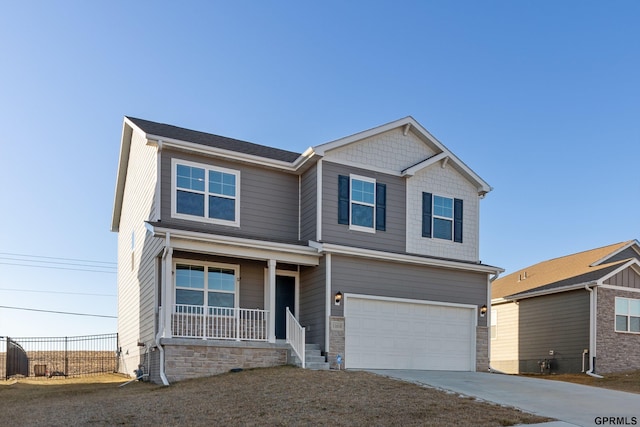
x: 362, y: 203
x: 627, y: 315
x: 205, y: 192
x: 442, y: 217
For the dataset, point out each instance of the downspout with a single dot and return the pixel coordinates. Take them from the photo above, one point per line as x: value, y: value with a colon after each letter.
x: 167, y: 249
x: 592, y: 331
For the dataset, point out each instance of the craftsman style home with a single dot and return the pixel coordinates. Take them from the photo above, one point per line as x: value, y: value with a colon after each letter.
x: 577, y: 313
x: 362, y: 252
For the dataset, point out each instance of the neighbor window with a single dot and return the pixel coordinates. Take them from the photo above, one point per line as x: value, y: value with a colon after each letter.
x: 362, y: 203
x: 627, y: 315
x: 206, y: 192
x: 211, y: 285
x: 442, y: 217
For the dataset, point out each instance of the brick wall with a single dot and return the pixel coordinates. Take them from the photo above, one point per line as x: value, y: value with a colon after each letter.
x: 616, y: 351
x: 186, y: 358
x: 482, y: 348
x: 336, y: 341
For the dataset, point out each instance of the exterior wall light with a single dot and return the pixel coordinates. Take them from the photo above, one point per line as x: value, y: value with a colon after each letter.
x: 338, y: 297
x: 483, y: 311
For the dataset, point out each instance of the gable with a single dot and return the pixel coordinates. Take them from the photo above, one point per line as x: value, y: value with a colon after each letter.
x: 390, y: 150
x: 628, y: 278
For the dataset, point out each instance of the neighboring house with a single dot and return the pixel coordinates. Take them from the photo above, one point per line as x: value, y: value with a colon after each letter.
x: 578, y: 313
x: 371, y: 241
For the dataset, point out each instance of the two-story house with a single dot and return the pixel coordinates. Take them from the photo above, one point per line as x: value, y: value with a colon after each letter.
x: 369, y: 242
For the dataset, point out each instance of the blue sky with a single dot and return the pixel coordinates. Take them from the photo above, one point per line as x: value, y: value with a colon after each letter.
x: 540, y: 98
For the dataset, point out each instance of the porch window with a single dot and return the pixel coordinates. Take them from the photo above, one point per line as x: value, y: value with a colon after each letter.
x: 215, y: 284
x: 205, y: 192
x: 627, y: 315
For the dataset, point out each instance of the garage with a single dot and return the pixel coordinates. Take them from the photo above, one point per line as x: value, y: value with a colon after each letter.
x: 393, y: 333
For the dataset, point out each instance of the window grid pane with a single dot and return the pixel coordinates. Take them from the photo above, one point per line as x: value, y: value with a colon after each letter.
x: 363, y: 191
x: 190, y: 276
x: 443, y: 206
x: 442, y: 228
x: 190, y: 178
x: 222, y: 279
x: 362, y: 215
x: 621, y: 323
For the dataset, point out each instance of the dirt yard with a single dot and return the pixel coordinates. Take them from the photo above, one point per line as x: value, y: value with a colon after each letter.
x: 274, y: 396
x: 625, y: 381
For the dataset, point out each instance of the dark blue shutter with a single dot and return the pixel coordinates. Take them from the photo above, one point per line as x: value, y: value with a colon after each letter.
x: 457, y: 220
x: 426, y: 214
x: 381, y: 207
x: 343, y: 199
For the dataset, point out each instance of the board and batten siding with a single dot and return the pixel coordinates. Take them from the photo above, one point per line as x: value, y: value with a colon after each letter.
x: 504, y: 347
x: 390, y: 279
x: 137, y: 252
x: 313, y: 302
x: 392, y: 239
x: 627, y: 278
x: 308, y: 204
x: 557, y: 322
x: 268, y: 201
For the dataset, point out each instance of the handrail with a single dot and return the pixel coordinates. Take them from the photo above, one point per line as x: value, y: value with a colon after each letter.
x: 296, y: 336
x: 226, y: 323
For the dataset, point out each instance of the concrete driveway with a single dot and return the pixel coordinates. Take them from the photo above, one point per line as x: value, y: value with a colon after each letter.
x: 573, y: 404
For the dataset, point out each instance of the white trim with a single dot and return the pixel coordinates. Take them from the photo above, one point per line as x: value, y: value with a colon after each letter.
x: 424, y: 164
x: 608, y: 256
x: 403, y: 258
x: 567, y: 288
x: 175, y: 162
x: 327, y: 302
x: 206, y: 265
x: 299, y: 206
x: 410, y: 301
x: 619, y: 288
x: 319, y: 201
x: 615, y: 315
x: 236, y: 246
x: 371, y: 168
x: 629, y: 264
x: 355, y: 227
x: 158, y: 193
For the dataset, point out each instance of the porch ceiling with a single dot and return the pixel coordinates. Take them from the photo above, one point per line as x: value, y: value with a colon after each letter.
x: 236, y: 247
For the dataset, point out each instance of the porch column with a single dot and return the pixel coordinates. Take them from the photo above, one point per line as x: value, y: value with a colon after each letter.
x: 271, y: 273
x: 167, y: 292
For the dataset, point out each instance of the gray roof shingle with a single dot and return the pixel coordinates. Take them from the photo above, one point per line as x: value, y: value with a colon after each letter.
x: 215, y: 141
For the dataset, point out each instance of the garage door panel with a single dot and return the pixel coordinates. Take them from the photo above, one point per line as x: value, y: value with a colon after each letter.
x: 394, y: 334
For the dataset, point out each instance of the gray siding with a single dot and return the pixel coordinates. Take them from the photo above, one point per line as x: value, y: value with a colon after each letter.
x: 558, y: 322
x: 308, y: 204
x: 312, y: 302
x: 251, y: 276
x: 627, y: 278
x: 626, y: 254
x: 268, y: 201
x: 382, y: 278
x: 392, y: 240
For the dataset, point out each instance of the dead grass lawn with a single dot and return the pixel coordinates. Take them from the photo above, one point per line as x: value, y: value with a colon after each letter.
x: 274, y: 396
x: 625, y: 381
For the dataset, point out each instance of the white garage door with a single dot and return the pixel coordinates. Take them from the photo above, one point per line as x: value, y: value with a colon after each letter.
x: 405, y: 334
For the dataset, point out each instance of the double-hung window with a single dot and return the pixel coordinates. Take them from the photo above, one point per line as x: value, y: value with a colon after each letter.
x: 442, y: 217
x: 362, y: 203
x: 205, y: 192
x: 210, y: 285
x: 627, y: 315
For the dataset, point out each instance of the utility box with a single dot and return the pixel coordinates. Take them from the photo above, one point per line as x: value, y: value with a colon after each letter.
x: 40, y: 370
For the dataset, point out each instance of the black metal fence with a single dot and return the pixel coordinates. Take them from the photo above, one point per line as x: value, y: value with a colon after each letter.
x: 47, y: 357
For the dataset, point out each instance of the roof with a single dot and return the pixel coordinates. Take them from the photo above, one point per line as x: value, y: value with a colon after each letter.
x: 156, y: 130
x: 559, y: 273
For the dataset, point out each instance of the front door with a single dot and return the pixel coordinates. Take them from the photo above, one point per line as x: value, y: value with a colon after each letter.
x: 285, y: 297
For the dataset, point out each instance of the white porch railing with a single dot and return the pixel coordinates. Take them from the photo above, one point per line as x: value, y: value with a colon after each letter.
x: 296, y: 336
x: 220, y: 323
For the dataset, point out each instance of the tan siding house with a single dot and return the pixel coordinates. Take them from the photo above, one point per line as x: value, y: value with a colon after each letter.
x: 578, y: 313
